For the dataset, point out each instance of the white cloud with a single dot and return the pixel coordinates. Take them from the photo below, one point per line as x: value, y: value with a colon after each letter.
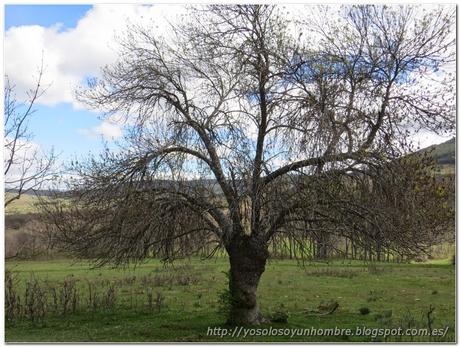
x: 107, y: 129
x: 73, y: 54
x: 69, y: 56
x: 424, y: 138
x: 29, y: 159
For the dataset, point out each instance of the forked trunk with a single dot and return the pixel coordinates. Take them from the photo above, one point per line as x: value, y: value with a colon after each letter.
x: 247, y: 263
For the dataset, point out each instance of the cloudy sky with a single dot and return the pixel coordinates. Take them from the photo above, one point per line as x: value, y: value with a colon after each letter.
x: 74, y: 41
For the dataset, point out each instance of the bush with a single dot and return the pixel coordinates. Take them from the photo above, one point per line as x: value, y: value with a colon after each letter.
x: 109, y: 297
x: 35, y: 302
x: 281, y: 315
x: 155, y: 303
x: 68, y: 296
x: 12, y: 299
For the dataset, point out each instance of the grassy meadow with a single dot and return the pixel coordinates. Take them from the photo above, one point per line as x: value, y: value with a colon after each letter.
x: 153, y: 303
x: 25, y: 204
x: 62, y: 300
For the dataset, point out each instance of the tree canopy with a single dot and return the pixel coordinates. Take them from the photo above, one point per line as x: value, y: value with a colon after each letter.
x: 232, y: 116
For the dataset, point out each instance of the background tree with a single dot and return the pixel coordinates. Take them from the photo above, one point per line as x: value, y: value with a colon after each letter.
x: 228, y: 114
x: 26, y: 168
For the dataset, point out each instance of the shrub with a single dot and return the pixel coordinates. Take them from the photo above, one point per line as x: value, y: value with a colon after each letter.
x: 68, y: 296
x: 150, y: 299
x: 109, y: 297
x: 35, y: 302
x: 281, y: 315
x: 155, y: 304
x: 159, y: 302
x: 54, y: 297
x: 93, y: 296
x: 12, y: 299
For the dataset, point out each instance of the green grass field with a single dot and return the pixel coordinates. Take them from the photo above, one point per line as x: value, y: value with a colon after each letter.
x: 397, y: 295
x: 25, y: 204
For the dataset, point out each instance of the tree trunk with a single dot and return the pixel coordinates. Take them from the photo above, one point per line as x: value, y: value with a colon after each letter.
x: 248, y: 257
x: 322, y: 245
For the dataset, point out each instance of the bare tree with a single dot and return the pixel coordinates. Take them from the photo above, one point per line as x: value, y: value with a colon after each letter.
x: 233, y: 107
x: 25, y: 167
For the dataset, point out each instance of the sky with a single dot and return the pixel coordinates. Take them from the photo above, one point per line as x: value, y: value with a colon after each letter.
x: 74, y: 42
x: 44, y: 15
x: 57, y: 123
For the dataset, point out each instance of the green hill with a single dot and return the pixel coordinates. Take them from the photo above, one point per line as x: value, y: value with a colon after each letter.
x: 444, y: 154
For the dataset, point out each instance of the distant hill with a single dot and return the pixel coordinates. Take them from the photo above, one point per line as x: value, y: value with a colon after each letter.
x: 24, y: 205
x: 444, y: 154
x: 37, y: 192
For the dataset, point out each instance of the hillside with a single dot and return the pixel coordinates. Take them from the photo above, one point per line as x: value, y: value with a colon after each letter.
x: 25, y: 204
x: 444, y: 154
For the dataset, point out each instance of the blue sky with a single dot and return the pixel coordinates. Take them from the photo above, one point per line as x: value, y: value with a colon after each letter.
x: 44, y: 15
x: 58, y: 124
x: 60, y: 127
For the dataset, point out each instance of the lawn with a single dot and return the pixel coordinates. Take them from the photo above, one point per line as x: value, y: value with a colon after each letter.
x: 152, y: 303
